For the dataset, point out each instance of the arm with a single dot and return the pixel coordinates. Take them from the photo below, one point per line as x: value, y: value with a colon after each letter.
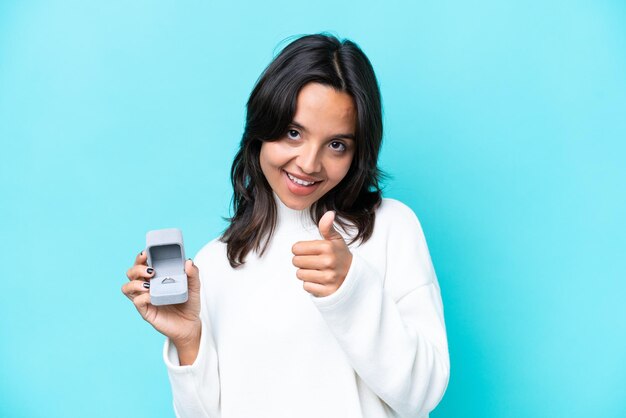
x: 397, y: 347
x: 195, y: 387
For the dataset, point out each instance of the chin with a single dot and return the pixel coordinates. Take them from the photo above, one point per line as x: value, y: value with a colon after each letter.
x: 294, y: 202
x: 297, y: 204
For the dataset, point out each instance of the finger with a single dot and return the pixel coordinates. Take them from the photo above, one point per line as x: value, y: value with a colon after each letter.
x: 315, y: 289
x: 134, y: 288
x: 310, y: 247
x: 313, y: 276
x: 312, y: 262
x: 142, y: 258
x: 326, y: 228
x: 141, y: 303
x: 140, y: 271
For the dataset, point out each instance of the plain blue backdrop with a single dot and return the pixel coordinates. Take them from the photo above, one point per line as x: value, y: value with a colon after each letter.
x: 505, y: 130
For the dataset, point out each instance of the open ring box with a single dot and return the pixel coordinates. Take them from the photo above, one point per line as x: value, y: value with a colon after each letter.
x: 166, y: 255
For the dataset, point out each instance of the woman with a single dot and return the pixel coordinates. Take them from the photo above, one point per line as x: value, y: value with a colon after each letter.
x: 319, y: 299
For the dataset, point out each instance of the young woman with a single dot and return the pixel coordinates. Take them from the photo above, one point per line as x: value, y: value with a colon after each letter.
x: 320, y: 298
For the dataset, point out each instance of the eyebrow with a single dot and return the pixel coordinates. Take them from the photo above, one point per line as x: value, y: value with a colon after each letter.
x: 343, y: 136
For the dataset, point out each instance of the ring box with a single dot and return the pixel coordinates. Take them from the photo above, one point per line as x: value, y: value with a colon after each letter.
x: 166, y: 255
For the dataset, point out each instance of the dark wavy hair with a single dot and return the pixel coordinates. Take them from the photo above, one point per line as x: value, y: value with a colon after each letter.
x: 319, y: 58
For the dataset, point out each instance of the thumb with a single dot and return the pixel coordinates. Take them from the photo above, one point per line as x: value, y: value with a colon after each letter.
x: 193, y: 275
x: 327, y: 230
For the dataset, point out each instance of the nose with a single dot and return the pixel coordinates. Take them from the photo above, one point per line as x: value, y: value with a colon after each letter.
x: 309, y: 159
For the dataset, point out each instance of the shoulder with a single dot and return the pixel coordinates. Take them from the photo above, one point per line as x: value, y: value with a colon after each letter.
x: 392, y: 206
x: 396, y: 222
x: 212, y: 253
x: 406, y: 247
x: 392, y: 213
x: 393, y: 219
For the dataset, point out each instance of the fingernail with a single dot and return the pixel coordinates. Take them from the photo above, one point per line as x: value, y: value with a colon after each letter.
x: 146, y: 285
x: 141, y: 253
x: 150, y: 270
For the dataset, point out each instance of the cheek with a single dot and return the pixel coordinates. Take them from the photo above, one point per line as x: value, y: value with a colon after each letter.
x: 340, y: 169
x: 263, y: 159
x: 273, y: 155
x: 266, y: 159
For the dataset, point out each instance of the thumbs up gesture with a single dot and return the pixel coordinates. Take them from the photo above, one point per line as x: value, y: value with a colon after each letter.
x: 322, y: 264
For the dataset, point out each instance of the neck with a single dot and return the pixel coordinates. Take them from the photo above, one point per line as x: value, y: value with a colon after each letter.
x: 288, y: 219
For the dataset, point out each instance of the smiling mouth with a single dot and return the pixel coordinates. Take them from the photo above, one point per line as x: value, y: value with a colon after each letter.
x: 299, y: 181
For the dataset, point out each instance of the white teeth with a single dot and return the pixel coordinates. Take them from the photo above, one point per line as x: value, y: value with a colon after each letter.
x: 297, y: 180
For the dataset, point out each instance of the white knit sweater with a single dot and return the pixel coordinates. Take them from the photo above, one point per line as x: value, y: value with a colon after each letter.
x: 377, y: 347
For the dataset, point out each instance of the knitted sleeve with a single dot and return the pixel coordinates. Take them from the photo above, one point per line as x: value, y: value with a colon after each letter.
x: 398, y: 347
x: 195, y: 387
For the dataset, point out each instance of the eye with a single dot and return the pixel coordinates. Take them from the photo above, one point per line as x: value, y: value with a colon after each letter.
x: 292, y: 134
x: 338, y: 146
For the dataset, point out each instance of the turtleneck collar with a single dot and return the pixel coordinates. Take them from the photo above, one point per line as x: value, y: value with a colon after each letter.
x: 288, y: 219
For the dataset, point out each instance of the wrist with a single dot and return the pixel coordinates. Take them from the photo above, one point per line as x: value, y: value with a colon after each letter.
x: 191, y: 337
x: 188, y: 346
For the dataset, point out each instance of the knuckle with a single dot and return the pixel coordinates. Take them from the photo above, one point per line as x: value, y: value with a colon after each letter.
x: 141, y: 300
x: 328, y: 261
x: 136, y: 272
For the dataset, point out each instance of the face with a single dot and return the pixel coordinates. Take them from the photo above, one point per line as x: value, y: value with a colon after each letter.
x: 315, y: 153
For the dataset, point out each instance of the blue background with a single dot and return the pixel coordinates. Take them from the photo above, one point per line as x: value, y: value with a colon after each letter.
x: 505, y: 132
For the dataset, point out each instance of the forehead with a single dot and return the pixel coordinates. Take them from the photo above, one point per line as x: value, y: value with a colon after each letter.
x: 323, y: 109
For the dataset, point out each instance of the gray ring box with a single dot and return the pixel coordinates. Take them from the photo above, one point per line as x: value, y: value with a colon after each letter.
x: 166, y: 255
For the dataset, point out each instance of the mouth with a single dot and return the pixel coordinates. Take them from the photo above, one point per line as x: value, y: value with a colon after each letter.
x: 299, y: 186
x: 301, y: 182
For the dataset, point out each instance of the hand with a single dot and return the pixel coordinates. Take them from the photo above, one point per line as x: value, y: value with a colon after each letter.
x: 323, y: 264
x: 181, y: 322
